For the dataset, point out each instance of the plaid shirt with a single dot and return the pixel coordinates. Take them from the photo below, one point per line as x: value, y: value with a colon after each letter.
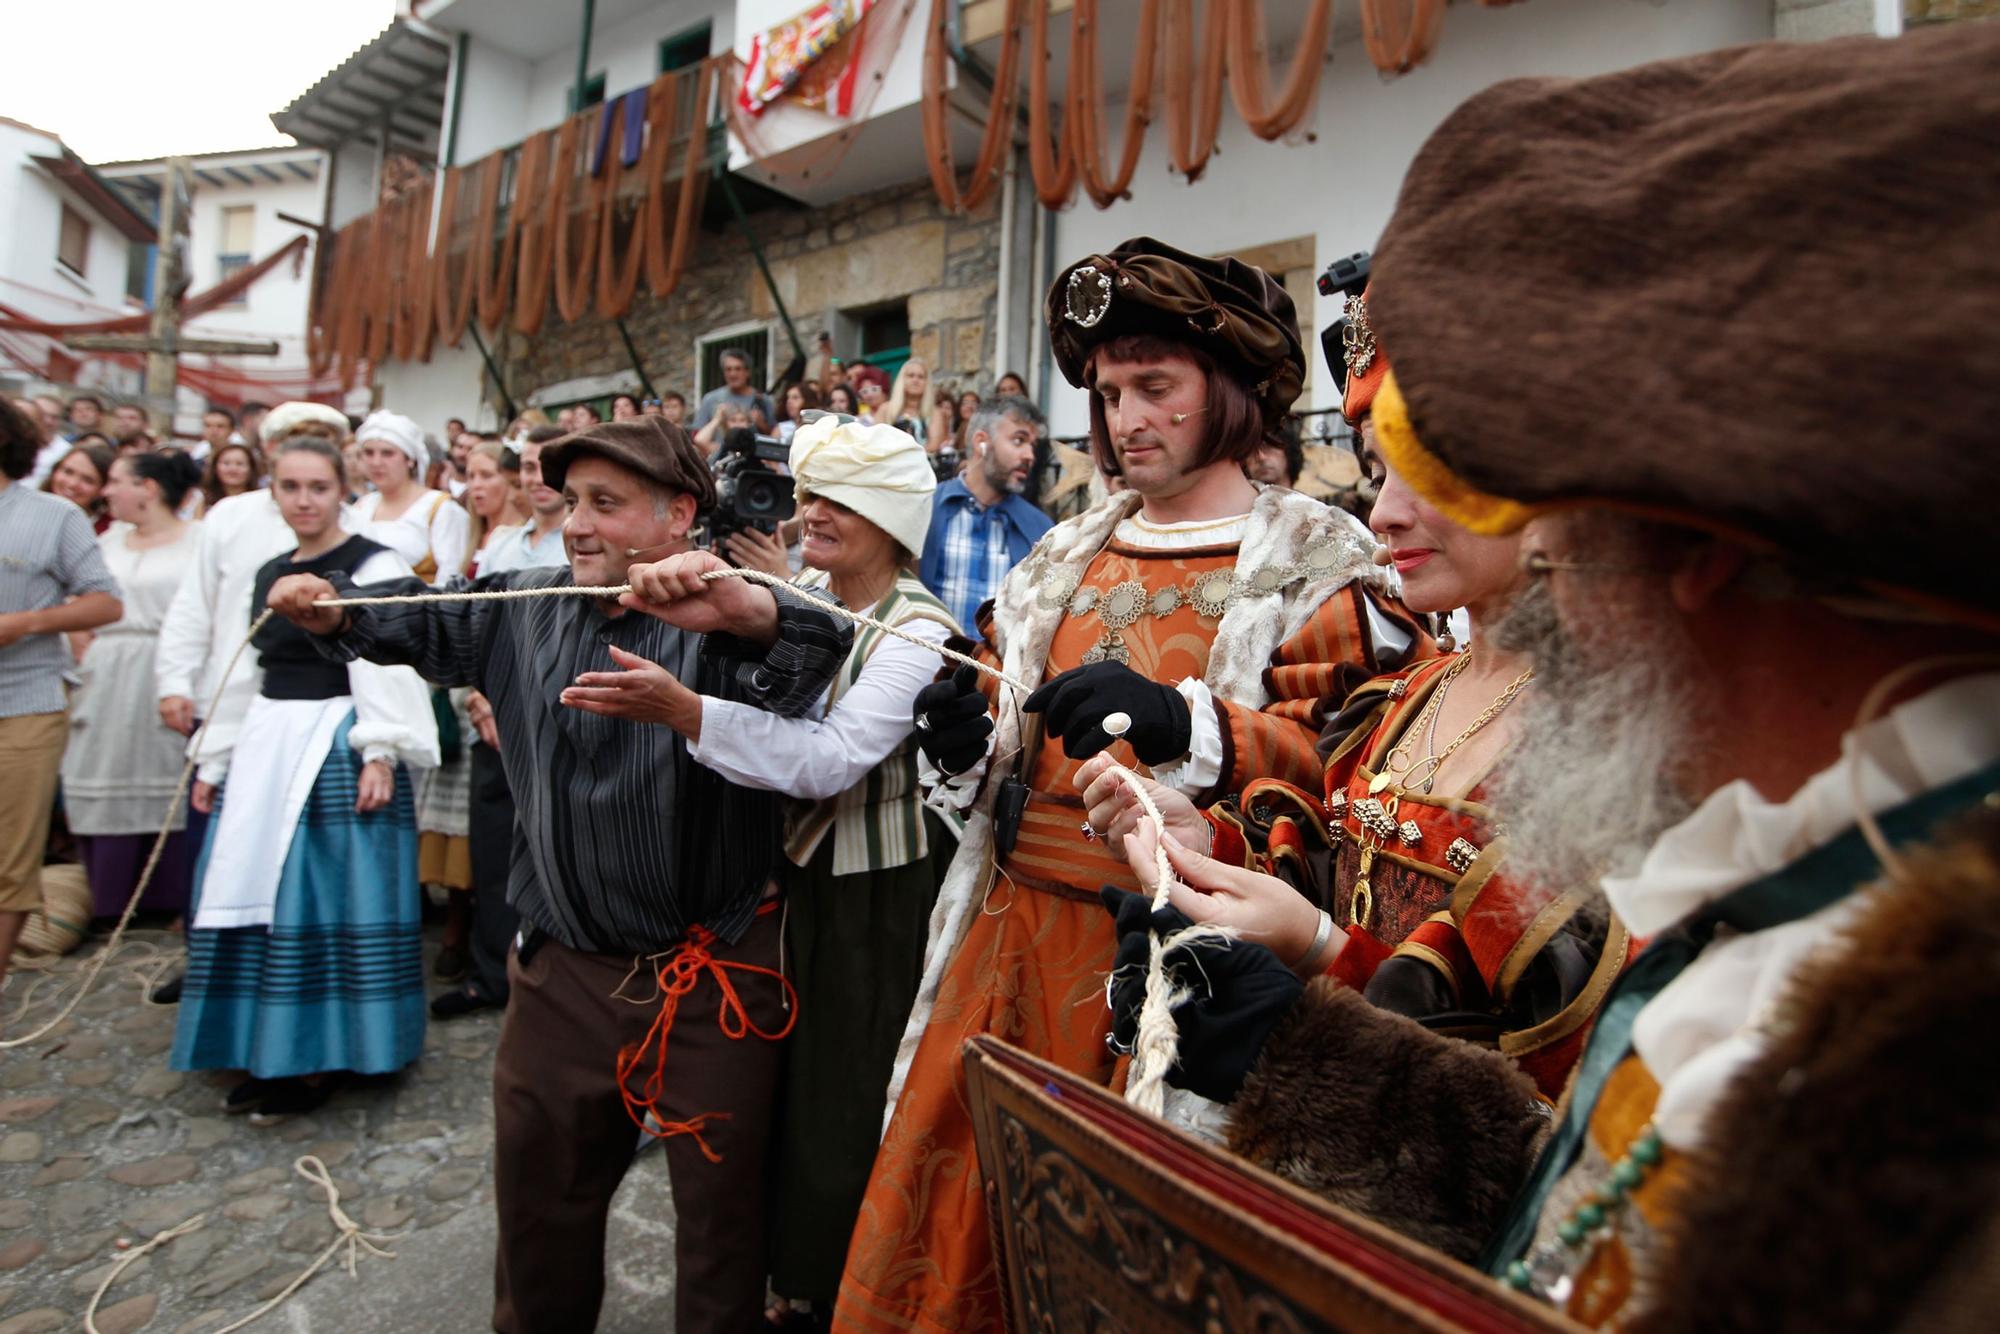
x: 972, y: 546
x: 975, y: 559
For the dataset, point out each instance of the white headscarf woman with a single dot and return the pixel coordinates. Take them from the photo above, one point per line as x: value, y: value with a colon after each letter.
x: 424, y: 527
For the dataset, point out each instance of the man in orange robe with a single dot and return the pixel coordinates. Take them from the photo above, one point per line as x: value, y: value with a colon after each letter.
x: 1218, y: 615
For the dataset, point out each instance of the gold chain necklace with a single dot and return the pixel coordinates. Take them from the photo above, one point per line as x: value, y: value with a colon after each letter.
x: 1376, y: 813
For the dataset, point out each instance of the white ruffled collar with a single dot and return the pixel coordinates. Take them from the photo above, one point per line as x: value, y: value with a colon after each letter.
x: 1709, y: 1023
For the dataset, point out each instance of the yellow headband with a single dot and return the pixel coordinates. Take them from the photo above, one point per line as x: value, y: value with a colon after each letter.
x: 1464, y: 505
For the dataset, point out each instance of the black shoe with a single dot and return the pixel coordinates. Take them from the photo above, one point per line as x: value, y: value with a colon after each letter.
x: 464, y: 1000
x: 169, y: 991
x: 293, y: 1097
x: 246, y: 1096
x: 450, y: 964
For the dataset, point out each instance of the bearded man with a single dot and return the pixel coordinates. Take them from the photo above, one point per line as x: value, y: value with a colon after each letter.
x: 1217, y: 614
x: 1776, y: 744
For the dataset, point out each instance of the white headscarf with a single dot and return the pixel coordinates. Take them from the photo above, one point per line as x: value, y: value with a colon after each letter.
x: 399, y: 431
x: 288, y: 417
x: 877, y: 471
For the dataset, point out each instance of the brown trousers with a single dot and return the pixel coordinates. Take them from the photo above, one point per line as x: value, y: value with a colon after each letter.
x: 563, y: 1139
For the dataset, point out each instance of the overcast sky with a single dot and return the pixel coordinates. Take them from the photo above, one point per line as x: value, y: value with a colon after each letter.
x: 145, y: 78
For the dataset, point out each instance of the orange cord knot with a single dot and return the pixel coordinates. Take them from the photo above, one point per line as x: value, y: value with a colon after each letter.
x: 678, y: 972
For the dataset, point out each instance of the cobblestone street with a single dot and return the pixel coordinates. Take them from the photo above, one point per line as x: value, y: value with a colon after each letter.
x: 102, y: 1147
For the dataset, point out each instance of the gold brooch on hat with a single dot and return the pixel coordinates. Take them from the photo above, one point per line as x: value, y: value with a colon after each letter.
x: 1088, y: 295
x: 1358, y: 337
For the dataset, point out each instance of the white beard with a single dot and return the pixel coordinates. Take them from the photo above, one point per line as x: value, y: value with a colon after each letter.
x: 1589, y: 784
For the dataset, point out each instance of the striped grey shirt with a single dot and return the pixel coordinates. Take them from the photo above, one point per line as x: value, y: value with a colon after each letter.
x: 622, y: 842
x: 48, y: 555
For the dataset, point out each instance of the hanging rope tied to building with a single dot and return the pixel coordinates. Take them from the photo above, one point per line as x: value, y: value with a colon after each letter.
x: 683, y: 966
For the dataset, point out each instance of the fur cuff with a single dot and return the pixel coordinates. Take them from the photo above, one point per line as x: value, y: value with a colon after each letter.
x: 1426, y: 1134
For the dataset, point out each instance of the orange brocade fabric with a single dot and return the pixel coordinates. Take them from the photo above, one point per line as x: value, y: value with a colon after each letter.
x: 1032, y: 966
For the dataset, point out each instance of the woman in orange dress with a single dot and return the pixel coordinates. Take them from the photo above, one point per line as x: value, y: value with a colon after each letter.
x: 1388, y: 875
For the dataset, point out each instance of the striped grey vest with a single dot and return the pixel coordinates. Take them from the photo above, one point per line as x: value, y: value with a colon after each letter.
x: 878, y: 823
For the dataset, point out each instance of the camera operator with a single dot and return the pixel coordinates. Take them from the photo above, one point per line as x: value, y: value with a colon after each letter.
x: 628, y: 855
x: 753, y: 521
x: 865, y: 856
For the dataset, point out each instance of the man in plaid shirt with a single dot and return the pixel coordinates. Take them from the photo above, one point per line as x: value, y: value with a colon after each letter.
x: 981, y: 525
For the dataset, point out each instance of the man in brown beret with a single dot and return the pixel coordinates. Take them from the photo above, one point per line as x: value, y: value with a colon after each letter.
x: 628, y: 855
x: 1215, y: 614
x: 1766, y: 638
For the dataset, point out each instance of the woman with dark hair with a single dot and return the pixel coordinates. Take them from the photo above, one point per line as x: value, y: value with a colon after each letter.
x: 79, y: 477
x: 840, y: 399
x: 794, y: 401
x: 232, y: 470
x: 123, y: 763
x: 624, y: 407
x: 305, y: 955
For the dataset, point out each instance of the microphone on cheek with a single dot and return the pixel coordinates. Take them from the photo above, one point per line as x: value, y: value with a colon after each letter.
x: 1381, y: 556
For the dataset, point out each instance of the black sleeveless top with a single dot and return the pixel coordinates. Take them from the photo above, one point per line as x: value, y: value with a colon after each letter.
x: 293, y: 667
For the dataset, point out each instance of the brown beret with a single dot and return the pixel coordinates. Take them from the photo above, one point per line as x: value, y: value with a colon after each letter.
x: 652, y: 447
x: 1235, y: 312
x: 1753, y: 290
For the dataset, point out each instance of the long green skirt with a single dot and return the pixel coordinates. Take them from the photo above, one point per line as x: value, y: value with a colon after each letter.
x: 854, y: 948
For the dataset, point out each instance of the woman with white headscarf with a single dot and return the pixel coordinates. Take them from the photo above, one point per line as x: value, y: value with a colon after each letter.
x: 424, y: 527
x: 867, y: 856
x: 431, y: 531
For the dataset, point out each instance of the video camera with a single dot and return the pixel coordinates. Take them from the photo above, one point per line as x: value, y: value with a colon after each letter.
x: 1349, y: 277
x: 748, y: 494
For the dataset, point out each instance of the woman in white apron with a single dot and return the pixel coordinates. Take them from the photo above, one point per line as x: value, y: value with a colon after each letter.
x: 305, y: 954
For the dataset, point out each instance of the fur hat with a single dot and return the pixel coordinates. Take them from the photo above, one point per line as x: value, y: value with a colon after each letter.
x: 1235, y: 312
x: 1752, y: 291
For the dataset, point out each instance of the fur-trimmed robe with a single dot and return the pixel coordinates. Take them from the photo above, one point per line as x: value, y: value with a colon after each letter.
x: 1850, y: 1178
x: 1283, y: 526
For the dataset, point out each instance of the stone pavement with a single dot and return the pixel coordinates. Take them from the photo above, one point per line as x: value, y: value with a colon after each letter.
x: 101, y: 1147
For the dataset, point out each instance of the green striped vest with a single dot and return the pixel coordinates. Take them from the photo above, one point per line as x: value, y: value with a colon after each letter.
x: 878, y: 823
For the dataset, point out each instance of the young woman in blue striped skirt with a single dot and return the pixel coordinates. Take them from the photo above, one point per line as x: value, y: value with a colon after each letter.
x: 305, y: 955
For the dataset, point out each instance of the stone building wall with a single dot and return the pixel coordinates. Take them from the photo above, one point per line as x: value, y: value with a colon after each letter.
x: 872, y: 250
x: 1945, y: 11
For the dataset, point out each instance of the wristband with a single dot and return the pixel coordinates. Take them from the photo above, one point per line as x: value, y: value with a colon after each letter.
x: 1307, y: 964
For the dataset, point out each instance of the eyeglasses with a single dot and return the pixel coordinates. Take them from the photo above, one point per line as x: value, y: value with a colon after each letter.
x: 1541, y: 563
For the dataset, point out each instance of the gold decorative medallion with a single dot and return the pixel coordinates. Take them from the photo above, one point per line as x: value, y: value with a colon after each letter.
x: 1212, y: 593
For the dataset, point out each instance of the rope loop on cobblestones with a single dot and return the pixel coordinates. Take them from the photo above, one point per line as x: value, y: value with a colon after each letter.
x: 346, y: 1232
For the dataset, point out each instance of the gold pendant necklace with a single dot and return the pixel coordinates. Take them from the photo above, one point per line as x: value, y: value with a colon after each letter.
x: 1376, y: 813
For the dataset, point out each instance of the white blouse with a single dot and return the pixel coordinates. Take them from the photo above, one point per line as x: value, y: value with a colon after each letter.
x: 433, y: 525
x: 819, y: 757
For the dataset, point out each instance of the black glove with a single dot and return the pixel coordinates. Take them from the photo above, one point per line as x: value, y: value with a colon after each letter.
x: 952, y: 723
x: 1237, y: 994
x: 1077, y: 702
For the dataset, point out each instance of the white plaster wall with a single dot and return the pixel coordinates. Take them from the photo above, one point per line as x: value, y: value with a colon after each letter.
x: 31, y: 202
x: 276, y: 304
x: 493, y: 101
x: 30, y: 278
x: 356, y: 172
x: 445, y: 386
x: 1341, y: 188
x: 626, y: 52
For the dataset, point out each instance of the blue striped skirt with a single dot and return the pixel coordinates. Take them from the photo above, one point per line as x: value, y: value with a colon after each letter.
x: 336, y: 982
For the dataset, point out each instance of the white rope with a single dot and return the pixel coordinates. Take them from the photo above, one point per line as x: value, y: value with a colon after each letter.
x: 346, y: 1232
x: 1154, y: 1052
